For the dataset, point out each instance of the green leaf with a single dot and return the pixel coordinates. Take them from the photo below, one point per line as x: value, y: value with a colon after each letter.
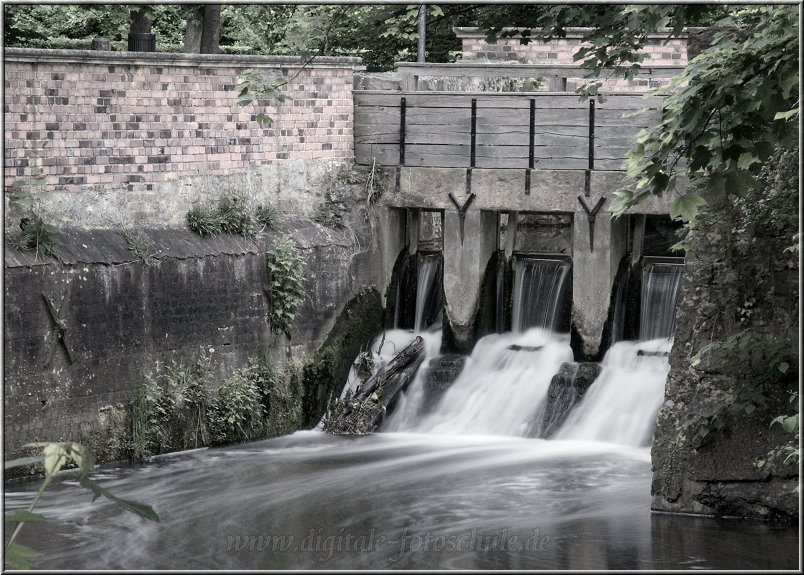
x: 786, y: 115
x: 750, y: 408
x: 784, y: 366
x: 23, y: 515
x: 790, y: 424
x: 20, y: 555
x: 746, y: 159
x: 55, y: 458
x: 141, y: 509
x: 686, y: 206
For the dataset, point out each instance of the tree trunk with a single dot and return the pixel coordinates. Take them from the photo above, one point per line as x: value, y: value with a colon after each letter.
x: 363, y: 412
x: 211, y: 33
x: 192, y: 32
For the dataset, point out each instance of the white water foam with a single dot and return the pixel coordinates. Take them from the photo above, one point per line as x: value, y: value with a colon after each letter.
x: 621, y: 405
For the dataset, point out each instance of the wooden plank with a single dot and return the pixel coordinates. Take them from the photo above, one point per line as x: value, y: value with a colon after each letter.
x: 377, y: 115
x: 542, y: 163
x: 540, y: 139
x: 488, y: 162
x: 387, y: 133
x: 387, y: 155
x: 438, y: 116
x: 419, y: 155
x: 441, y: 135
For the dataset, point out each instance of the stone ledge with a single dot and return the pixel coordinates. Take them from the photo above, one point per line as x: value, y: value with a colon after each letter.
x: 108, y: 246
x: 174, y: 59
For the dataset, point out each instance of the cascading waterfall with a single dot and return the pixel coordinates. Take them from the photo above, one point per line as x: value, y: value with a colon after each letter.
x: 622, y: 403
x: 502, y: 385
x: 661, y: 284
x: 539, y: 290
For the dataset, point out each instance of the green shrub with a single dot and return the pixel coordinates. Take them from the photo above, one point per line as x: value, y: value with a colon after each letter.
x: 203, y: 221
x: 235, y: 214
x: 242, y: 405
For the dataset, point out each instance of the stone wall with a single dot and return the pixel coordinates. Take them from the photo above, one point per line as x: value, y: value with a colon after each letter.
x: 560, y: 51
x: 737, y: 277
x: 114, y: 134
x: 124, y: 319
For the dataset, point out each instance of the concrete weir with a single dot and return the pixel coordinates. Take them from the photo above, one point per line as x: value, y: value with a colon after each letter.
x: 470, y: 232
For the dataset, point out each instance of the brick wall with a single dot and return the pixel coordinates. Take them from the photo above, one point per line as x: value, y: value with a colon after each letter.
x: 560, y: 52
x: 101, y: 122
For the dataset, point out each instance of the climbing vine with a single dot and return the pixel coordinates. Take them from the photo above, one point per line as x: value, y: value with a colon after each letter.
x: 286, y: 272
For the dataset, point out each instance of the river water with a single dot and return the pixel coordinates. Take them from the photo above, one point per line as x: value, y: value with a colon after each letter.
x: 388, y: 501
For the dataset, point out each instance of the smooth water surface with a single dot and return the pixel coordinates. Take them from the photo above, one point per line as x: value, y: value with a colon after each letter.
x: 390, y: 501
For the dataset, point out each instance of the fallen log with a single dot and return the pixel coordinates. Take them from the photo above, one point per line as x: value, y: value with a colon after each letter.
x: 362, y: 412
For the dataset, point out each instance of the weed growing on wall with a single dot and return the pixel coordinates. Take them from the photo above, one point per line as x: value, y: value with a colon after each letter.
x: 243, y: 403
x: 234, y: 214
x: 266, y: 215
x: 374, y: 183
x: 285, y: 269
x: 35, y: 234
x: 203, y: 220
x: 330, y: 211
x: 139, y: 243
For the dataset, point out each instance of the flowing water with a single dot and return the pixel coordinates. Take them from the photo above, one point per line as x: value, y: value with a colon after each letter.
x: 459, y: 486
x: 661, y: 284
x: 390, y: 501
x: 540, y: 287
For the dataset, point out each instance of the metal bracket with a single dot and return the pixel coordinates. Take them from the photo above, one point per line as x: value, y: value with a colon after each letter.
x: 462, y: 209
x: 59, y: 327
x: 590, y: 216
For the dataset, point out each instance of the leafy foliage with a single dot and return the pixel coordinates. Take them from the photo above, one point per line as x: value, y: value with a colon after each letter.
x: 243, y: 403
x: 169, y: 410
x: 721, y: 115
x: 54, y: 457
x: 286, y: 268
x: 254, y: 86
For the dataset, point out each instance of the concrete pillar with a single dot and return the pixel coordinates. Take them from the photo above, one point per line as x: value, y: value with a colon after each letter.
x: 391, y: 231
x: 593, y: 275
x: 414, y: 225
x: 465, y: 261
x: 510, y: 234
x: 639, y: 238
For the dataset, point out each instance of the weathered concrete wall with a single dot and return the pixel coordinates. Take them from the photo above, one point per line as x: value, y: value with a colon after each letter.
x: 138, y: 136
x: 124, y: 319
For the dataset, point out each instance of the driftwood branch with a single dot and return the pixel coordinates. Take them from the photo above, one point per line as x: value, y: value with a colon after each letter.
x: 362, y: 412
